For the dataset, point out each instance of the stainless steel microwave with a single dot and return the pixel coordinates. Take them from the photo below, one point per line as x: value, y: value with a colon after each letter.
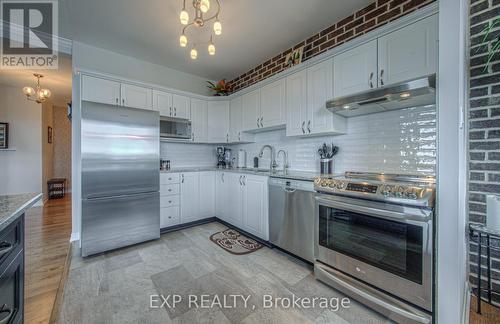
x: 175, y: 128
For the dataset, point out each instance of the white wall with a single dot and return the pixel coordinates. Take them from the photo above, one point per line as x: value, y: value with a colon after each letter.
x: 104, y: 61
x: 451, y: 216
x: 401, y: 141
x: 21, y: 170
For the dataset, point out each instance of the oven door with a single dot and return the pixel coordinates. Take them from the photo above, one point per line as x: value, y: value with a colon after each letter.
x: 387, y: 246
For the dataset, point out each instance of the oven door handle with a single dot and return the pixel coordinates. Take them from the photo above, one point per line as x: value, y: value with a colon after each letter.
x: 388, y: 214
x: 413, y: 317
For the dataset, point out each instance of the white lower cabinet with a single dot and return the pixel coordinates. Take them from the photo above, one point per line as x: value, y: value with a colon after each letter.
x: 169, y: 199
x: 255, y: 206
x: 190, y: 197
x: 207, y: 194
x: 242, y: 201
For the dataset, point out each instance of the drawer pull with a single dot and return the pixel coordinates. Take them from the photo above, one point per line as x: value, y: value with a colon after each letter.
x: 169, y: 217
x: 8, y: 311
x: 5, y: 248
x: 170, y: 201
x: 169, y: 178
x: 169, y: 189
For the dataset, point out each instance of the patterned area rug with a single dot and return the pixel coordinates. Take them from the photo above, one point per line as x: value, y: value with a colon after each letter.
x: 233, y: 242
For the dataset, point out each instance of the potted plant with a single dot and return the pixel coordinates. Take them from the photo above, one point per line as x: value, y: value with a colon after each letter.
x: 220, y: 88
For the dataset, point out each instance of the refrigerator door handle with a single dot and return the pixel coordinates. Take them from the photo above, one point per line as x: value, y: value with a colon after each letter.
x: 120, y: 196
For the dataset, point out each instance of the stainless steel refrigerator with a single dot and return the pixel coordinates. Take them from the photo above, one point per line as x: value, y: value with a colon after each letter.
x: 120, y: 177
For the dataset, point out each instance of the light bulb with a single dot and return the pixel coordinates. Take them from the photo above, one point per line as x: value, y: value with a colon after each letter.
x: 183, y: 40
x: 194, y: 54
x: 217, y: 27
x: 184, y: 17
x: 45, y: 93
x: 204, y: 5
x: 211, y: 49
x: 29, y: 91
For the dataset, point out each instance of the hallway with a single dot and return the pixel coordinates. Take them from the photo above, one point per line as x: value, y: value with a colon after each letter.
x: 48, y: 231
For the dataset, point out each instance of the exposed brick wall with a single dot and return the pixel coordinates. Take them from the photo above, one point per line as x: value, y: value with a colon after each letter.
x: 484, y: 127
x: 372, y: 16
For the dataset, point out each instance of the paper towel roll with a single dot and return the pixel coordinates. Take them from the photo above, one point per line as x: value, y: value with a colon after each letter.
x: 493, y: 212
x: 242, y: 159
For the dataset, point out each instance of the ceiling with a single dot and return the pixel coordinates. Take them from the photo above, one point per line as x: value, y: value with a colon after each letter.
x: 252, y: 31
x: 58, y: 81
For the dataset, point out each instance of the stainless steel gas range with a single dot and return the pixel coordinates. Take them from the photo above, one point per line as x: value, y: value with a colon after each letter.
x: 374, y: 241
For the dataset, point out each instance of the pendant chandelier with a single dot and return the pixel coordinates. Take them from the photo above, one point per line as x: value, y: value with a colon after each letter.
x: 38, y: 94
x: 201, y: 8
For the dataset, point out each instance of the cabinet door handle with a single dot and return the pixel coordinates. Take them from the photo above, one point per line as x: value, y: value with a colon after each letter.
x: 309, y: 126
x: 175, y: 111
x: 4, y: 309
x: 244, y: 180
x: 170, y: 201
x: 239, y: 136
x: 123, y: 101
x: 192, y: 135
x: 170, y: 111
x: 5, y: 248
x: 222, y: 177
x: 261, y: 123
x: 303, y: 124
x: 370, y: 81
x: 241, y: 183
x: 117, y: 101
x: 182, y: 181
x: 258, y: 123
x: 227, y: 138
x: 382, y: 77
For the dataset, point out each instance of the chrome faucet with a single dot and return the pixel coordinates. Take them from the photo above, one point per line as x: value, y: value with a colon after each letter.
x: 273, y: 164
x: 285, y: 159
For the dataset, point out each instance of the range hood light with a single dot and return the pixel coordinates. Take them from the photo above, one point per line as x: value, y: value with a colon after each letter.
x: 405, y: 95
x: 346, y: 107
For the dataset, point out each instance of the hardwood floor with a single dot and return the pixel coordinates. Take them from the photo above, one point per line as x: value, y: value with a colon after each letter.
x: 48, y: 230
x: 489, y: 314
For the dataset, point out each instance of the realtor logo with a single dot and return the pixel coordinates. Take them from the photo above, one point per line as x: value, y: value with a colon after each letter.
x: 29, y: 34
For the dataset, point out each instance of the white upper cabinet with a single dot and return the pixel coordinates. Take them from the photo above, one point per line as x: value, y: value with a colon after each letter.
x: 409, y: 52
x: 307, y: 92
x: 255, y: 206
x: 100, y: 90
x: 251, y: 110
x: 162, y: 102
x: 296, y: 103
x: 199, y: 121
x: 136, y: 97
x: 236, y: 133
x: 218, y: 121
x: 355, y: 70
x: 319, y: 90
x: 181, y: 107
x: 272, y: 104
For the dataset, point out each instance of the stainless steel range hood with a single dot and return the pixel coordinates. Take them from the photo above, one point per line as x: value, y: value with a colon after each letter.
x: 412, y: 93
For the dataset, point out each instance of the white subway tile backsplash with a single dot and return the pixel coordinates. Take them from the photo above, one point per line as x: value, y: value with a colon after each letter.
x: 188, y: 155
x: 399, y: 141
x: 402, y: 141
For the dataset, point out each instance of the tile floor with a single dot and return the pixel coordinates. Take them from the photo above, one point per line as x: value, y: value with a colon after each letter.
x: 116, y: 287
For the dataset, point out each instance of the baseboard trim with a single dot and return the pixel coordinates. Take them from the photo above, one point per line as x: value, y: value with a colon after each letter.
x: 187, y: 225
x: 74, y: 237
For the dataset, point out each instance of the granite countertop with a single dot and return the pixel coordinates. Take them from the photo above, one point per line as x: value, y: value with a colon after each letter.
x: 290, y: 174
x: 13, y: 206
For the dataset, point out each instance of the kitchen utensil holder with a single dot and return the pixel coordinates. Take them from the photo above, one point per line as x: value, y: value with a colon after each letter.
x: 326, y: 166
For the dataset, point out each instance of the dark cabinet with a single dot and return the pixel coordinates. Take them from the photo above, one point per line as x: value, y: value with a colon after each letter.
x: 12, y: 273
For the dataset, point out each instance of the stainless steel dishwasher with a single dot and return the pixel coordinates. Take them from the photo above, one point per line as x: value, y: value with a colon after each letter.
x: 291, y: 216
